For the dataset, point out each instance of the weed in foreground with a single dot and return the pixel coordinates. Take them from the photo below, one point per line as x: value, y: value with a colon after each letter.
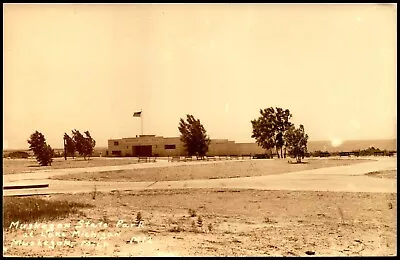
x: 341, y: 214
x: 139, y: 218
x: 33, y: 209
x: 192, y: 213
x: 199, y: 221
x: 210, y: 227
x: 176, y: 228
x: 94, y: 193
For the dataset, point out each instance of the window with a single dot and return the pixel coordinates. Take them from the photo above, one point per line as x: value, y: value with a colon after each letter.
x: 116, y: 143
x: 169, y: 146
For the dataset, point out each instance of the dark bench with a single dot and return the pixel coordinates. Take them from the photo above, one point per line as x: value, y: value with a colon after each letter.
x: 146, y: 159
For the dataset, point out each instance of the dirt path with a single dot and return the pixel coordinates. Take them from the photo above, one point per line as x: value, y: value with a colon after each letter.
x: 342, y: 178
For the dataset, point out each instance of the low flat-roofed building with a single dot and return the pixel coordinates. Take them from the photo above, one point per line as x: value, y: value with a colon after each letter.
x: 152, y: 145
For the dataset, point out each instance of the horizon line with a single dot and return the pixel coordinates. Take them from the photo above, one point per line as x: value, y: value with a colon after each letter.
x: 374, y: 139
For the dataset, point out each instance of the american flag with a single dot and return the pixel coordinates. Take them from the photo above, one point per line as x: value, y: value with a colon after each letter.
x: 137, y: 114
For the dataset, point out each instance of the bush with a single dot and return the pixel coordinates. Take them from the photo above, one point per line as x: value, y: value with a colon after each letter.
x: 192, y: 212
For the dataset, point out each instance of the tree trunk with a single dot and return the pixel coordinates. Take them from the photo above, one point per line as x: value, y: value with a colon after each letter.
x: 277, y: 152
x: 298, y: 159
x: 285, y: 151
x: 282, y: 152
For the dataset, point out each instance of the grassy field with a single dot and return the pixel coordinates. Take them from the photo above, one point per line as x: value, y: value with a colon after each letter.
x: 209, y: 171
x: 217, y: 223
x: 36, y: 209
x: 11, y: 166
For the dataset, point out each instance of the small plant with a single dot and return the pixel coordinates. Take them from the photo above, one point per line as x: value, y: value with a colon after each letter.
x: 199, y: 221
x: 192, y: 213
x: 171, y: 221
x: 177, y: 228
x: 94, y: 192
x: 139, y: 218
x: 105, y: 219
x: 118, y: 194
x: 267, y: 220
x: 210, y: 227
x: 341, y: 214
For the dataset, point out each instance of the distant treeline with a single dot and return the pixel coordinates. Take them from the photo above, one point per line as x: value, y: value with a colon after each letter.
x: 371, y: 151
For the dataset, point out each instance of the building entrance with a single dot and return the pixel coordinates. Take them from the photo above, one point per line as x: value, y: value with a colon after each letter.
x: 142, y: 150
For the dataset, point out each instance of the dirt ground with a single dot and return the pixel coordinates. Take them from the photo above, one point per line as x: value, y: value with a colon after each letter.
x: 11, y: 166
x: 212, y: 171
x: 392, y: 174
x: 231, y: 223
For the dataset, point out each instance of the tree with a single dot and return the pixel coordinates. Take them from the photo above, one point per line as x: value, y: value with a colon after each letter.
x: 269, y: 129
x: 194, y: 136
x: 296, y: 141
x: 69, y: 145
x: 90, y: 143
x: 282, y: 124
x: 79, y: 141
x: 42, y: 151
x: 83, y: 145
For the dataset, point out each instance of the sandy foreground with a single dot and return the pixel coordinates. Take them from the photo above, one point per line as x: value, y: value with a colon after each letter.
x: 224, y: 221
x: 233, y: 223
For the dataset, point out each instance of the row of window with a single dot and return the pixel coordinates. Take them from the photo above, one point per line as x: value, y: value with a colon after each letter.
x: 166, y: 147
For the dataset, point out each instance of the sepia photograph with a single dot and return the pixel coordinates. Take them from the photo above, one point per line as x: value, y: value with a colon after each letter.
x: 199, y: 130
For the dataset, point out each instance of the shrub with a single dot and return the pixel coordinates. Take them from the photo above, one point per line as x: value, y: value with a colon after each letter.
x: 192, y: 212
x: 199, y: 221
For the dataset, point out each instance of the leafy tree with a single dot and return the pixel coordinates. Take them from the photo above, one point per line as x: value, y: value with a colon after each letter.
x: 282, y: 124
x: 69, y: 145
x: 194, y: 136
x: 296, y: 140
x: 269, y: 129
x: 83, y: 145
x: 79, y: 141
x: 90, y: 143
x: 42, y: 151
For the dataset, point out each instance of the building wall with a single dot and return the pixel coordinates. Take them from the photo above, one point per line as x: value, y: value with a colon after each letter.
x: 157, y: 143
x: 249, y: 148
x: 217, y: 147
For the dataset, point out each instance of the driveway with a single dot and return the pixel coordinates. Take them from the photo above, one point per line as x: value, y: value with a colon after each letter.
x: 341, y: 179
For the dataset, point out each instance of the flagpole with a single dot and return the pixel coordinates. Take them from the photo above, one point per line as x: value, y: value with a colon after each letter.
x: 141, y: 120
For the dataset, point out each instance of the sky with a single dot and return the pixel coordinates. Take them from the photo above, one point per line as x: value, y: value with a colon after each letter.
x: 90, y: 67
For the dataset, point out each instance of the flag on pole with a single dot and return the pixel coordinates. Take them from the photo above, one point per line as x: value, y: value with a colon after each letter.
x: 137, y: 114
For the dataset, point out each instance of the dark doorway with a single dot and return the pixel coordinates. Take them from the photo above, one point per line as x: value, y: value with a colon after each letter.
x: 142, y: 150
